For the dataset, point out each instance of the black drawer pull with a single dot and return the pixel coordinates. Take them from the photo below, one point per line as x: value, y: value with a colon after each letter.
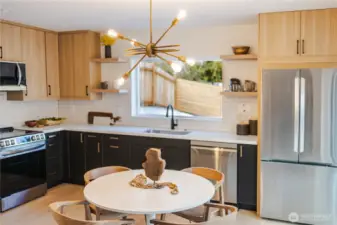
x: 52, y: 136
x: 91, y: 136
x: 113, y: 138
x: 51, y: 145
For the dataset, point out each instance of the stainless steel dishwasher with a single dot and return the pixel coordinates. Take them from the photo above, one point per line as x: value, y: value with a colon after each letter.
x: 219, y: 156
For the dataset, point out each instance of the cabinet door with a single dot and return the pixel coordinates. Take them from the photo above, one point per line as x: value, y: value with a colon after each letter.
x: 138, y: 148
x: 319, y: 33
x: 279, y: 36
x: 76, y: 157
x: 33, y: 53
x: 11, y: 42
x: 52, y: 65
x: 115, y: 150
x: 81, y: 66
x: 177, y: 153
x: 66, y: 67
x: 247, y: 176
x: 54, y: 159
x: 93, y: 151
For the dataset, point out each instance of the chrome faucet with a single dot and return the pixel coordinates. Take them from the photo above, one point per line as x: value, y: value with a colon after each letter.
x: 173, y: 123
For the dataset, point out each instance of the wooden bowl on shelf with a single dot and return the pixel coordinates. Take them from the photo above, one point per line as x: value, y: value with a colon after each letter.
x: 240, y: 50
x: 31, y: 123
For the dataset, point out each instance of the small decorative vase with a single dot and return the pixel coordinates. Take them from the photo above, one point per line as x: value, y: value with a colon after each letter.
x: 107, y: 49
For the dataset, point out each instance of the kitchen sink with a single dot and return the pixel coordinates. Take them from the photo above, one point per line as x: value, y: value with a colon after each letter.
x: 170, y: 132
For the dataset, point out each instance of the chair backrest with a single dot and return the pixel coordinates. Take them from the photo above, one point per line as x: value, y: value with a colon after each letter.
x: 61, y: 219
x: 102, y: 171
x: 210, y: 174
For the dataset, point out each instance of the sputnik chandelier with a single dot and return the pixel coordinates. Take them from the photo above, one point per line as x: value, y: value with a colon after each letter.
x: 152, y: 49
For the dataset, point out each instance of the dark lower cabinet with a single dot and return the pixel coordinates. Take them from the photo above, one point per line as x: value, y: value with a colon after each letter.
x: 76, y: 157
x: 93, y: 150
x: 115, y: 150
x: 175, y: 152
x: 247, y: 177
x: 54, y: 159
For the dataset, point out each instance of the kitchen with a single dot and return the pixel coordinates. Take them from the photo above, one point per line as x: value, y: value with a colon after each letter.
x: 74, y: 137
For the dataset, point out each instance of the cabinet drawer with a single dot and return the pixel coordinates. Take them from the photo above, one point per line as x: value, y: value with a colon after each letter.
x: 53, y: 137
x: 54, y: 165
x: 112, y: 140
x: 54, y: 150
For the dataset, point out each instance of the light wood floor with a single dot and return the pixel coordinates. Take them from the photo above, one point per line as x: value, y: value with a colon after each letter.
x: 36, y: 212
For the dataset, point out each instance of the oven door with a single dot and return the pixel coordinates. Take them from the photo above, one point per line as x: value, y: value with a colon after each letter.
x: 22, y: 172
x: 12, y: 76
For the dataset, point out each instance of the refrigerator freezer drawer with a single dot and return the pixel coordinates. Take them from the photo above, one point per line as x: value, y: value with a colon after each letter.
x: 300, y: 193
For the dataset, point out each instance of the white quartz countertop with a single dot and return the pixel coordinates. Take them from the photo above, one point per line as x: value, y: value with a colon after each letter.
x: 223, y: 137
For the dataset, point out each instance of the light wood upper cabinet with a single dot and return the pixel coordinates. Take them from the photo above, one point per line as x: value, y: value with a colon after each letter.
x: 319, y: 32
x: 11, y: 42
x: 52, y: 66
x: 301, y: 36
x: 33, y: 53
x: 78, y: 75
x: 279, y: 35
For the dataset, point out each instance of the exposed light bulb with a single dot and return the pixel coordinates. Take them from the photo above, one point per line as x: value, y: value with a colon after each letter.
x: 133, y: 42
x: 176, y: 67
x: 119, y: 82
x: 181, y: 14
x: 112, y: 33
x: 190, y: 62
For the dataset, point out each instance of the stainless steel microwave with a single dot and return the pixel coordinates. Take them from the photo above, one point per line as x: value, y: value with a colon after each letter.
x: 12, y: 76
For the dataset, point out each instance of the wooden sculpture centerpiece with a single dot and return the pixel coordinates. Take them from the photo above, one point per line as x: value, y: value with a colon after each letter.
x: 154, y: 165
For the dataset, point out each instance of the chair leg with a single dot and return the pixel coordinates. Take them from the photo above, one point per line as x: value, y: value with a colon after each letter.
x: 162, y: 216
x: 222, y: 200
x: 98, y: 213
x: 87, y: 212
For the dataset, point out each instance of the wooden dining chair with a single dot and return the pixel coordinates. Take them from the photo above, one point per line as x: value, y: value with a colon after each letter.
x: 229, y: 210
x: 99, y: 172
x: 57, y: 210
x: 198, y: 214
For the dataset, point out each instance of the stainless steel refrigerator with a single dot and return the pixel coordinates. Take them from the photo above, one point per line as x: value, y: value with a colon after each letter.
x: 299, y: 146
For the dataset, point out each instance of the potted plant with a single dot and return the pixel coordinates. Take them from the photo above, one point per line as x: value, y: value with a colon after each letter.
x: 107, y: 41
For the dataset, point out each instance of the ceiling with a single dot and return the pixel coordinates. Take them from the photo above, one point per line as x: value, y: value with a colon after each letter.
x: 99, y: 15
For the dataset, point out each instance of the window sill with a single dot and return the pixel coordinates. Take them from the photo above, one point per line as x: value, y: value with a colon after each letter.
x: 140, y: 116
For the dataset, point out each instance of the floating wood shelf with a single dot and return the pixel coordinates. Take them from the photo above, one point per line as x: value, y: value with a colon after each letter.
x: 109, y: 60
x: 239, y: 94
x: 239, y: 57
x: 121, y: 91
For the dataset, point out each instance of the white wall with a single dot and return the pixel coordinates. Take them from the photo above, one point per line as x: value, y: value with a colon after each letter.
x: 14, y: 113
x: 199, y: 43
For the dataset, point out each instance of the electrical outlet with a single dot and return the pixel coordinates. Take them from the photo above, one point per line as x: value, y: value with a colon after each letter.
x: 243, y: 108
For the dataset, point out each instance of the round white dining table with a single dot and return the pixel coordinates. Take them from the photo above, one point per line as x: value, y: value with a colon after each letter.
x: 114, y: 193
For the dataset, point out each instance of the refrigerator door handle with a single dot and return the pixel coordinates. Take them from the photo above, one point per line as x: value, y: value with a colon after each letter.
x: 302, y: 114
x: 296, y: 112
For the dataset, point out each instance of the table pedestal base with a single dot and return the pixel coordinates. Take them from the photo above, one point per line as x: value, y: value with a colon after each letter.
x: 149, y: 217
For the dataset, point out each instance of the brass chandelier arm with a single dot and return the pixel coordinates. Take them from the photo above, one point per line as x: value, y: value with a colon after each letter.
x: 180, y: 58
x: 127, y: 74
x: 167, y: 46
x: 163, y: 35
x: 162, y: 58
x: 128, y: 39
x: 151, y: 21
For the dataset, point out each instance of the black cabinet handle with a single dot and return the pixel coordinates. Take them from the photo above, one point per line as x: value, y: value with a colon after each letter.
x: 98, y: 147
x: 49, y: 90
x: 298, y: 47
x: 91, y: 136
x: 241, y: 154
x: 81, y: 137
x: 86, y: 90
x: 52, y: 136
x: 0, y: 52
x: 113, y: 146
x: 302, y: 46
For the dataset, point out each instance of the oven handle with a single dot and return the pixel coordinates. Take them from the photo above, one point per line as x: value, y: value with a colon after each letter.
x: 215, y: 149
x: 36, y: 148
x: 20, y: 74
